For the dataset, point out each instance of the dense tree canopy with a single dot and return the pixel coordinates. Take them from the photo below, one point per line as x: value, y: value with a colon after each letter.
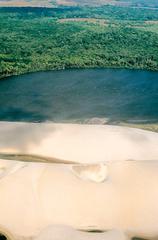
x: 34, y: 39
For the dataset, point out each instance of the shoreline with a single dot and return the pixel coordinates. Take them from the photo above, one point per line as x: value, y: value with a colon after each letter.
x: 151, y: 127
x: 77, y: 68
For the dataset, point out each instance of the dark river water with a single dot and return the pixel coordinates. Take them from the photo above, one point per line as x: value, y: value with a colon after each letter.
x: 69, y: 95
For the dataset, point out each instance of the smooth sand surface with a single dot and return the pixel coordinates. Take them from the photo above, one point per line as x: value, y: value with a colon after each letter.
x: 67, y: 233
x: 35, y: 196
x: 95, y: 186
x: 78, y: 143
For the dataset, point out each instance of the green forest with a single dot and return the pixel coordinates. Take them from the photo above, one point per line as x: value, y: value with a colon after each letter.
x: 36, y: 39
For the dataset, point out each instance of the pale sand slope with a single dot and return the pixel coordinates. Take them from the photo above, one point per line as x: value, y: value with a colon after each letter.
x: 34, y: 196
x: 122, y: 195
x: 67, y: 233
x: 79, y: 143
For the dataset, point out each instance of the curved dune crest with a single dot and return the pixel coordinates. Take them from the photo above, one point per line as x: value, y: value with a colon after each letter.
x: 9, y: 167
x: 78, y: 143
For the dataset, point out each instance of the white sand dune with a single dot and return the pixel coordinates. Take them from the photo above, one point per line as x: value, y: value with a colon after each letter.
x: 93, y: 187
x: 78, y: 143
x: 38, y: 195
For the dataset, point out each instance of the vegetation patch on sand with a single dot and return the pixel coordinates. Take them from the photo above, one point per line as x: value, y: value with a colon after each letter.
x: 149, y: 126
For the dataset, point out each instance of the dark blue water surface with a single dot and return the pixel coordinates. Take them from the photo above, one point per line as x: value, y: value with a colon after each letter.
x: 68, y: 95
